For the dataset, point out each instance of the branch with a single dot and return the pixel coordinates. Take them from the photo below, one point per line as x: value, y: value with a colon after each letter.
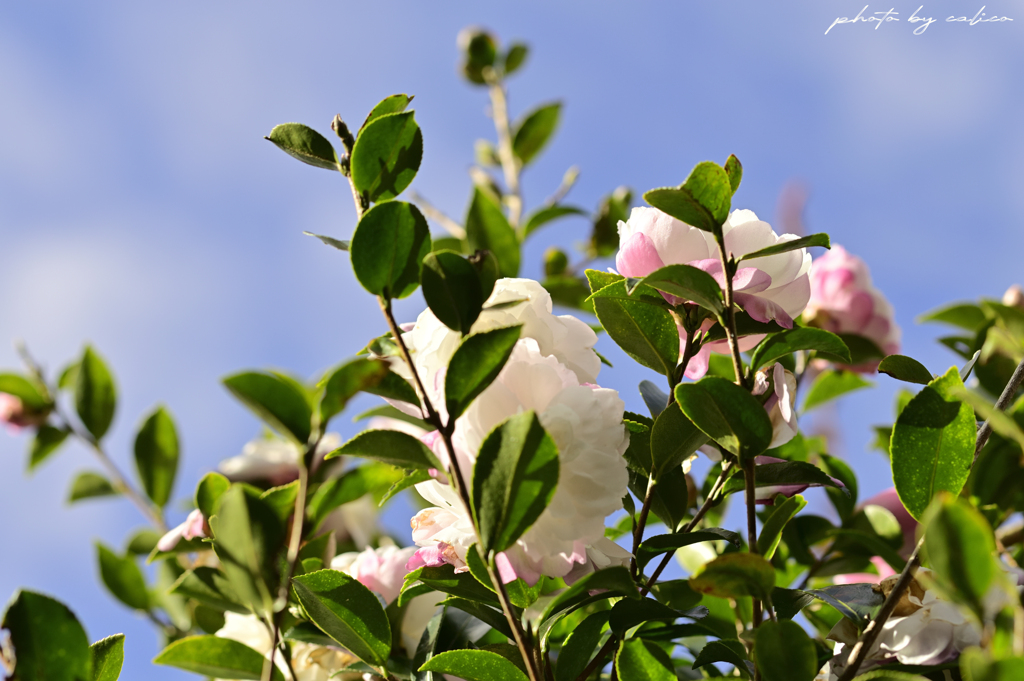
x: 1001, y: 404
x: 435, y: 214
x: 641, y: 523
x: 509, y: 166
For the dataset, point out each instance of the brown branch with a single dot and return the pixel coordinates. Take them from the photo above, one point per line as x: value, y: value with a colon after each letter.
x: 509, y: 165
x: 1001, y: 404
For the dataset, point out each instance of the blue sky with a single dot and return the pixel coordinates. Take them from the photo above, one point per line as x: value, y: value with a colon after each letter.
x: 140, y: 209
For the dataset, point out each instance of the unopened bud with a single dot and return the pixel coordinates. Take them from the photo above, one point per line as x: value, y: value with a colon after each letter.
x: 486, y: 154
x: 479, y: 50
x: 1014, y: 297
x: 341, y: 130
x: 555, y: 261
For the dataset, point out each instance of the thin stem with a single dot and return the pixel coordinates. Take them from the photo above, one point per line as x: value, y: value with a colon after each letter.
x: 435, y: 214
x: 749, y: 473
x: 509, y: 165
x: 729, y: 316
x: 1001, y: 404
x: 861, y: 648
x: 641, y: 523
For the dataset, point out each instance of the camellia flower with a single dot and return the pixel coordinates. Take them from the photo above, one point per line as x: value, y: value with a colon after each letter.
x: 843, y: 300
x: 194, y: 527
x: 781, y: 404
x: 273, y: 460
x: 585, y: 422
x: 772, y: 288
x: 383, y: 570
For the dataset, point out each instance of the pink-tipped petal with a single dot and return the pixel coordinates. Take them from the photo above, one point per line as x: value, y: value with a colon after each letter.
x: 638, y: 257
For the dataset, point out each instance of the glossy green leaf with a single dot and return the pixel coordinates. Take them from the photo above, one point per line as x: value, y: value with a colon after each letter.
x: 514, y: 478
x: 640, y: 659
x: 604, y: 237
x: 771, y: 532
x: 475, y: 365
x: 446, y: 580
x: 306, y: 144
x: 976, y: 665
x: 532, y: 134
x: 514, y: 58
x: 727, y: 414
x: 615, y: 579
x: 353, y: 484
x: 789, y: 602
x: 123, y: 578
x: 964, y: 315
x: 214, y: 656
x: 390, y: 446
x: 787, y: 473
x: 734, y: 169
x: 156, y: 456
x: 49, y: 641
x: 340, y: 244
x: 673, y: 439
x: 734, y: 575
x: 388, y: 248
x: 688, y: 283
x: 387, y: 155
x: 451, y: 287
x: 474, y: 665
x: 833, y: 383
x: 932, y: 445
x: 46, y: 442
x: 95, y: 394
x: 856, y: 602
x: 784, y: 652
x: 579, y: 647
x: 348, y: 612
x: 959, y: 545
x: 824, y: 343
x: 275, y: 400
x: 999, y: 421
x: 107, y: 658
x: 702, y: 201
x: 548, y: 214
x: 791, y: 245
x: 664, y: 543
x: 210, y: 586
x: 209, y: 491
x: 862, y: 350
x: 487, y: 229
x: 388, y: 105
x: 24, y: 389
x: 89, y: 485
x: 346, y: 382
x: 729, y: 652
x: 646, y: 333
x: 904, y: 368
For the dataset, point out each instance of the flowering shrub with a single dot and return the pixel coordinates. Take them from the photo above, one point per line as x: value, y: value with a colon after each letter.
x: 550, y: 511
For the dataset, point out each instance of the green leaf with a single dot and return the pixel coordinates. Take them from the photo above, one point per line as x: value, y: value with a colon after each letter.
x: 210, y: 586
x: 1000, y: 422
x: 306, y: 144
x: 446, y: 580
x: 213, y: 656
x: 663, y: 543
x: 475, y: 365
x: 387, y: 155
x: 734, y: 169
x: 728, y: 414
x: 839, y: 469
x: 352, y: 485
x: 346, y: 382
x: 959, y: 545
x: 788, y: 473
x: 640, y: 659
x: 388, y: 105
x: 390, y: 446
x: 107, y: 658
x: 275, y: 400
x: 95, y: 394
x: 976, y: 665
x: 46, y: 442
x: 514, y: 479
x: 143, y: 541
x: 856, y: 602
x: 645, y: 332
x: 964, y: 315
x: 50, y: 643
x: 209, y: 491
x: 340, y: 244
x: 474, y: 665
x: 89, y: 485
x: 247, y: 538
x: 388, y: 248
x: 546, y: 215
x: 932, y: 444
x: 673, y: 439
x: 532, y: 134
x: 784, y: 652
x: 702, y: 201
x: 771, y: 532
x: 515, y: 57
x: 688, y: 283
x: 862, y: 350
x: 614, y: 207
x: 904, y: 368
x: 579, y: 647
x: 122, y: 576
x: 615, y: 579
x: 394, y: 387
x: 451, y: 287
x: 781, y: 344
x: 789, y: 602
x: 820, y: 239
x: 348, y: 612
x: 734, y: 575
x: 156, y: 456
x: 831, y: 384
x: 730, y: 652
x: 487, y: 229
x: 25, y: 390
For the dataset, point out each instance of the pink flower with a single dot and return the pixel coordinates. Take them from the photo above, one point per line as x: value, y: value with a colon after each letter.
x: 843, y: 300
x: 17, y: 416
x: 773, y: 288
x: 194, y: 527
x: 781, y: 404
x: 884, y: 570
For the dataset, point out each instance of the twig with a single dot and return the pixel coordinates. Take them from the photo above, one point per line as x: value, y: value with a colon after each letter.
x: 1001, y: 404
x: 509, y: 165
x: 750, y: 495
x: 435, y: 214
x: 568, y: 181
x: 641, y: 523
x: 863, y: 645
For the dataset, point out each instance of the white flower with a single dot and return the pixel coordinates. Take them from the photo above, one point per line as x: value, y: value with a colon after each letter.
x: 586, y: 424
x: 276, y: 461
x: 311, y: 662
x: 566, y: 338
x: 781, y: 405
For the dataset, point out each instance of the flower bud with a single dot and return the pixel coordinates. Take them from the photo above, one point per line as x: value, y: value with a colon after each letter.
x: 555, y: 261
x: 479, y: 50
x: 1014, y: 297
